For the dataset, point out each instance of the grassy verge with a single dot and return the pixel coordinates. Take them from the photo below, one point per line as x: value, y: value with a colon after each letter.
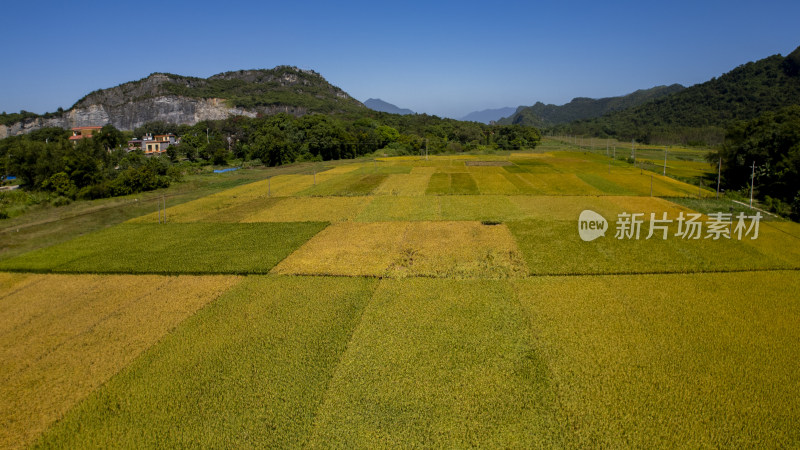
x: 45, y: 226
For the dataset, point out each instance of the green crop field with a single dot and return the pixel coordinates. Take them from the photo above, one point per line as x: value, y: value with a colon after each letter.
x: 411, y: 302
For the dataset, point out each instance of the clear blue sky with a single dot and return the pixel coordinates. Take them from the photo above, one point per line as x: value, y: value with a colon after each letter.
x: 440, y: 57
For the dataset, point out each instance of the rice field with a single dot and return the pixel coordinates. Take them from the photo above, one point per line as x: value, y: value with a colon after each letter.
x: 64, y: 336
x: 408, y: 302
x: 179, y: 248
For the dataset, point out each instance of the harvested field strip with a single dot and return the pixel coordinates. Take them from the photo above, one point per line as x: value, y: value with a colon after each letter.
x: 554, y: 247
x: 440, y: 363
x: 702, y: 360
x: 172, y: 248
x: 402, y: 249
x: 250, y: 370
x: 96, y: 325
x: 298, y: 209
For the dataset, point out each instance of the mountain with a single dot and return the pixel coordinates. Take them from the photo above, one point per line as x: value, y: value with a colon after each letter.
x: 701, y: 113
x: 489, y: 115
x: 377, y: 104
x: 187, y: 100
x: 541, y: 115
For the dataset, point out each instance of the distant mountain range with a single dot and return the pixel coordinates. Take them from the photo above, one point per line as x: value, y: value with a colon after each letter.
x: 489, y: 115
x: 541, y: 115
x: 377, y: 104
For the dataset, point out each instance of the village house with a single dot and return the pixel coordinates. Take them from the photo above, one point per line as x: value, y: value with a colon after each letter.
x: 79, y: 133
x: 153, y: 145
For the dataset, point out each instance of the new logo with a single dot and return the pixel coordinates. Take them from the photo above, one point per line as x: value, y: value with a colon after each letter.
x: 591, y: 225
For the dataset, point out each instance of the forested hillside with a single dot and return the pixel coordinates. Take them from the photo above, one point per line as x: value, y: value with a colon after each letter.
x: 541, y: 115
x: 700, y: 114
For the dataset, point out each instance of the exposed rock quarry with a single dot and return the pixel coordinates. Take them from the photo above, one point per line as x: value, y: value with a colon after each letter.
x: 127, y: 116
x: 160, y: 97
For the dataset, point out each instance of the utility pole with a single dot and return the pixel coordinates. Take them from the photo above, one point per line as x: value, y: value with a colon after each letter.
x: 633, y: 151
x: 719, y: 175
x: 752, y: 182
x: 665, y: 161
x: 207, y: 141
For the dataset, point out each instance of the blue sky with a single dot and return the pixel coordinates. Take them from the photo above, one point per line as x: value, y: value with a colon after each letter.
x: 446, y: 58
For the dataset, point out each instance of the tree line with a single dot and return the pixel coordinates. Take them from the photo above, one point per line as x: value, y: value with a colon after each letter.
x: 45, y: 160
x: 765, y: 151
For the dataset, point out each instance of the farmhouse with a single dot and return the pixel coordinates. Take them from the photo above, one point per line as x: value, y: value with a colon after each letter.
x: 153, y: 145
x: 79, y: 133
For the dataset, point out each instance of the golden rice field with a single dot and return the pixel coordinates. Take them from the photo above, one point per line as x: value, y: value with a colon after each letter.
x: 409, y: 302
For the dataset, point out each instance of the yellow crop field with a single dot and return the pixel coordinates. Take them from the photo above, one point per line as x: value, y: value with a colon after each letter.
x: 453, y: 168
x: 558, y: 184
x: 62, y: 336
x: 347, y: 248
x: 700, y: 360
x: 569, y: 207
x: 479, y: 207
x: 493, y: 182
x: 346, y: 168
x: 390, y: 208
x: 458, y: 250
x: 662, y: 186
x: 401, y: 249
x: 299, y: 209
x: 413, y: 183
x: 453, y: 301
x: 439, y: 364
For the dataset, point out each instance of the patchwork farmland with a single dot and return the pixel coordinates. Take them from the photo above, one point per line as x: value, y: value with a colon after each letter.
x: 440, y: 302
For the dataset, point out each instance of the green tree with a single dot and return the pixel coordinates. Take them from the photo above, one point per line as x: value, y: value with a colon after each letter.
x: 109, y: 137
x: 60, y: 184
x: 772, y: 143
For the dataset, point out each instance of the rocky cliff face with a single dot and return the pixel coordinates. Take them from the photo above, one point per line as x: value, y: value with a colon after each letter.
x: 186, y: 100
x: 127, y: 116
